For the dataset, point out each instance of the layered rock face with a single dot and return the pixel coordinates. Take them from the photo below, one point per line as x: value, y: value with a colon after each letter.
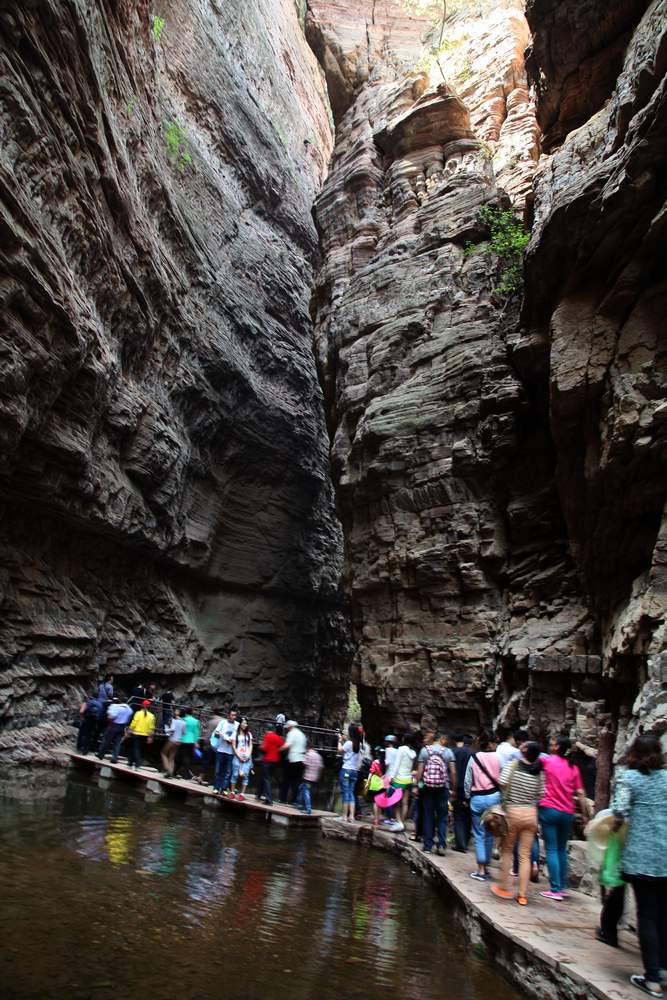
x: 166, y: 500
x: 498, y: 478
x: 594, y: 311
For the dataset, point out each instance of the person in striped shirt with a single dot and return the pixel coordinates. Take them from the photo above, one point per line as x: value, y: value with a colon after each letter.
x: 522, y: 782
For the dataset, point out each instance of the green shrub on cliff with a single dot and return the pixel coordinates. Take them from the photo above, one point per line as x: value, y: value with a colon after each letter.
x: 177, y: 150
x: 508, y: 242
x: 158, y: 24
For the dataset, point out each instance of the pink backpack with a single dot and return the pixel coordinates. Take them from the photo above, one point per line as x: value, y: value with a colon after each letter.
x: 435, y: 770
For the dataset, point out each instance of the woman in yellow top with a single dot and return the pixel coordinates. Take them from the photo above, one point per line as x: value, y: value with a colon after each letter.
x: 142, y: 728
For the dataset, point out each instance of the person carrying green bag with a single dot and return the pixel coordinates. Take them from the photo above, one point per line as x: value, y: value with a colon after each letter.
x: 613, y: 891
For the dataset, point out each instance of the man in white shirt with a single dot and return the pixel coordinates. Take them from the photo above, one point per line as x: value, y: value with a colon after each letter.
x: 294, y: 748
x: 119, y: 715
x: 509, y: 749
x: 222, y: 739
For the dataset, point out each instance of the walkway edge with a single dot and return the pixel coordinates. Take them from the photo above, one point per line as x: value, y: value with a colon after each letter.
x: 548, y: 950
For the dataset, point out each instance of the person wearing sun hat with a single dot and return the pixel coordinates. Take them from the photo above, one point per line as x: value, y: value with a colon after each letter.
x: 294, y: 748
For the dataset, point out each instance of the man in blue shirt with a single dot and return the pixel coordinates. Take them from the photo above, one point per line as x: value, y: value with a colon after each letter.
x: 119, y: 715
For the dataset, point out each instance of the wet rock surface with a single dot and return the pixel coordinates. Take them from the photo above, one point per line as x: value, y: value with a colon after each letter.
x: 164, y: 477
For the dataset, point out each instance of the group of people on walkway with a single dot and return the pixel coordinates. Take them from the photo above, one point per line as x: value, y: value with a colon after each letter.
x: 506, y: 792
x: 503, y: 792
x: 225, y: 748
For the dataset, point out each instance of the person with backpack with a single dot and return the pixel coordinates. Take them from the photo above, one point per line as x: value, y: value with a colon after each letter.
x: 436, y: 774
x: 522, y: 781
x: 482, y: 791
x: 91, y: 713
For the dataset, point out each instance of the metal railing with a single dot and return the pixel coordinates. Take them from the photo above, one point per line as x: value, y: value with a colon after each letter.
x: 323, y: 740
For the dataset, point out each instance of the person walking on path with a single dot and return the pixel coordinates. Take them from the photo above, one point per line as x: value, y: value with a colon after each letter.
x: 169, y: 752
x: 401, y: 775
x: 142, y: 728
x: 482, y: 790
x: 436, y: 772
x: 242, y: 759
x: 349, y: 772
x: 222, y: 741
x: 522, y: 781
x: 167, y: 707
x: 91, y: 713
x: 105, y: 689
x: 640, y: 799
x: 294, y: 748
x: 189, y: 741
x: 312, y: 769
x: 562, y: 786
x: 271, y: 747
x: 375, y: 783
x: 119, y: 715
x: 462, y: 824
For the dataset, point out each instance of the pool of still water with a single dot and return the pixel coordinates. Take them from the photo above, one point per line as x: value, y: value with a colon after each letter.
x: 105, y: 895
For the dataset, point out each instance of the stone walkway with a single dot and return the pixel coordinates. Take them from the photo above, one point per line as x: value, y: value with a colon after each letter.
x: 547, y: 947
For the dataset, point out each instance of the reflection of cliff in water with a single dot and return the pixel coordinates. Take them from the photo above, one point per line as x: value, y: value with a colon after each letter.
x: 186, y: 895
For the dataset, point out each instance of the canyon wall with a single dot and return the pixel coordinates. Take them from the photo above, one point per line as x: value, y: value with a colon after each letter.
x: 500, y: 475
x: 166, y: 501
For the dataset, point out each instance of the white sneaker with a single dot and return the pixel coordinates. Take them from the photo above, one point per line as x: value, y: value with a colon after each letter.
x: 396, y: 827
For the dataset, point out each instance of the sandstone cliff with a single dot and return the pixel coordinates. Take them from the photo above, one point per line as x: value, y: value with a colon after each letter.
x: 500, y: 478
x: 164, y: 485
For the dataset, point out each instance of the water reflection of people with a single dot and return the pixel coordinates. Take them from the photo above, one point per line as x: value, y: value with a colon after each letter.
x: 117, y: 840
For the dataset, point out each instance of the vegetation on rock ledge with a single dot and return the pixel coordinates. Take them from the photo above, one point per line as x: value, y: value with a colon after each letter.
x: 508, y: 242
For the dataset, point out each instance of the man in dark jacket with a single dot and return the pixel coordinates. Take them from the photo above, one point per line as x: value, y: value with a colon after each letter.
x: 462, y: 821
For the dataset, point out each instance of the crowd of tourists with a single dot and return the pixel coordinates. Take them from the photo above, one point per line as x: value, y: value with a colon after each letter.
x: 224, y: 748
x: 499, y: 794
x: 506, y: 792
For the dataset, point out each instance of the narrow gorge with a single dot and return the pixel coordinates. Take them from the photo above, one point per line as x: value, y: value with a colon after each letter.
x: 274, y: 418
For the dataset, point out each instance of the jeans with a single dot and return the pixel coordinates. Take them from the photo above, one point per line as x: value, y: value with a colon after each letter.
x: 293, y: 776
x: 462, y: 822
x: 87, y: 733
x: 348, y: 783
x: 435, y: 812
x: 556, y: 830
x: 483, y: 839
x: 268, y: 767
x: 303, y: 797
x: 186, y: 760
x: 651, y: 896
x: 522, y: 823
x: 113, y: 738
x: 137, y: 744
x: 223, y: 771
x: 240, y: 769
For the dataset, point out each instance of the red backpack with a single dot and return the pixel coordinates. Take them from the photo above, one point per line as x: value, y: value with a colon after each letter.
x: 435, y: 769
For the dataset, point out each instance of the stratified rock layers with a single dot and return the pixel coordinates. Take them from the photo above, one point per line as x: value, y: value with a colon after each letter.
x: 472, y: 453
x: 166, y: 500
